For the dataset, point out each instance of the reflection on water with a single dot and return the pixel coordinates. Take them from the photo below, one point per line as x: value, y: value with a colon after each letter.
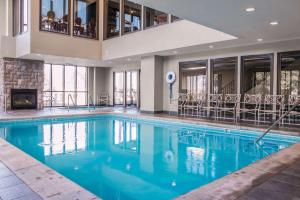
x: 124, y: 159
x: 64, y: 138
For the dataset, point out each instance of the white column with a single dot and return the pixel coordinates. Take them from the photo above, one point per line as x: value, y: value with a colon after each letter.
x: 238, y: 82
x: 275, y: 72
x: 209, y: 71
x: 95, y: 85
x: 152, y: 84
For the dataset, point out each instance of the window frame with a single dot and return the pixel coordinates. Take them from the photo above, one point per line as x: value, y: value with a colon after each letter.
x: 153, y: 26
x: 213, y: 62
x: 64, y: 91
x: 242, y: 71
x: 69, y: 20
x: 105, y: 19
x: 123, y: 18
x: 97, y: 22
x: 18, y: 29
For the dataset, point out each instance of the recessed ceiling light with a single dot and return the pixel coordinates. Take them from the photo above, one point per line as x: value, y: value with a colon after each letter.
x: 274, y: 23
x: 175, y: 52
x: 211, y: 46
x: 129, y: 59
x: 250, y: 9
x: 260, y: 40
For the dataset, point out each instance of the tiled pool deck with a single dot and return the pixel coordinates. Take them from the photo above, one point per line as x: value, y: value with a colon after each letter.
x: 23, y: 177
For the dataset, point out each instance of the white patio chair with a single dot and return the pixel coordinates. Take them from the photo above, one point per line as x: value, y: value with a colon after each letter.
x: 273, y: 106
x: 181, y: 102
x: 190, y: 107
x: 230, y: 104
x: 201, y: 103
x: 213, y: 105
x: 293, y: 99
x: 103, y: 99
x: 251, y: 105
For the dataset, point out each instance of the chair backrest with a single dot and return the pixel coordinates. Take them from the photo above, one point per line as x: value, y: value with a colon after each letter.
x: 215, y: 98
x: 274, y: 100
x: 201, y: 99
x: 191, y: 98
x: 232, y: 98
x: 182, y: 98
x: 253, y: 99
x: 293, y: 99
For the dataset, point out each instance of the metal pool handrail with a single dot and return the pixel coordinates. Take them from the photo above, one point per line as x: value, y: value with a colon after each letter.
x: 70, y: 97
x: 275, y: 123
x: 91, y: 99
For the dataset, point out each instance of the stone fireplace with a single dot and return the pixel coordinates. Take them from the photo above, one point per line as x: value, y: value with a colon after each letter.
x: 22, y: 82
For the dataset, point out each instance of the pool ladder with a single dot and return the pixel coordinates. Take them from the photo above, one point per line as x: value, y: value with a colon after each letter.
x: 90, y: 100
x: 275, y: 123
x: 72, y: 100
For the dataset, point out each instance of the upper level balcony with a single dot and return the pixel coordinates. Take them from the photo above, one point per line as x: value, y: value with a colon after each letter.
x: 93, y: 31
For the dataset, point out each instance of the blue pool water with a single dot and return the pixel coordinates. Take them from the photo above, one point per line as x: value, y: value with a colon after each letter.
x: 122, y: 158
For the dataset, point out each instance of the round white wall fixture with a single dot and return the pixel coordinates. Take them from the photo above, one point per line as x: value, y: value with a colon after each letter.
x: 170, y: 77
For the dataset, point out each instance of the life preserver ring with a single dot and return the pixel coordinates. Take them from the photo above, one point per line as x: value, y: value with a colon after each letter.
x: 170, y: 77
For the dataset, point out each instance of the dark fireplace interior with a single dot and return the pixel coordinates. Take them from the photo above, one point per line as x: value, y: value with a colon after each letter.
x: 23, y: 99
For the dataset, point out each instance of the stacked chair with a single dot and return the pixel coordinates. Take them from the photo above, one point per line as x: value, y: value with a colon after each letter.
x: 256, y: 108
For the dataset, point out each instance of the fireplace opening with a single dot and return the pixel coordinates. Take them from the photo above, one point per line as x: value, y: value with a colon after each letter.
x: 23, y: 99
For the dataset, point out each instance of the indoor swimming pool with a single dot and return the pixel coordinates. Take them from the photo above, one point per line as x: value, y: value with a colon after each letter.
x: 124, y: 158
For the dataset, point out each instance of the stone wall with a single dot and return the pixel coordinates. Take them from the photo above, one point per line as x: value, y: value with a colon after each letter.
x: 21, y: 74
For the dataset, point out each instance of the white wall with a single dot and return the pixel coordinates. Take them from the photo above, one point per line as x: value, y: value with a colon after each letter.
x: 172, y: 62
x: 166, y: 37
x: 3, y: 17
x: 7, y: 42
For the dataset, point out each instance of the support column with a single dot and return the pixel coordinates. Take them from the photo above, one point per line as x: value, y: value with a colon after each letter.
x: 152, y: 78
x: 238, y: 83
x: 209, y: 80
x: 275, y: 78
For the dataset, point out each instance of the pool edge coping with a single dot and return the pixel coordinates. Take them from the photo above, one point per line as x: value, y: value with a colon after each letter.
x: 38, y: 176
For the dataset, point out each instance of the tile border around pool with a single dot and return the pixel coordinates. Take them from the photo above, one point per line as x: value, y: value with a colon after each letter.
x: 45, y: 182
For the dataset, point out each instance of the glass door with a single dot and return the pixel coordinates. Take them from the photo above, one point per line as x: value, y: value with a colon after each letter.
x: 119, y: 88
x: 132, y: 88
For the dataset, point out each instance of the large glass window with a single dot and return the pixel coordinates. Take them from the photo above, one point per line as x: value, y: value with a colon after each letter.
x: 193, y: 77
x: 132, y: 16
x: 256, y: 74
x: 81, y: 86
x: 119, y: 88
x: 63, y: 81
x: 224, y: 75
x: 55, y: 16
x: 155, y: 17
x: 131, y: 88
x: 112, y: 18
x: 20, y: 16
x: 289, y: 73
x: 86, y: 18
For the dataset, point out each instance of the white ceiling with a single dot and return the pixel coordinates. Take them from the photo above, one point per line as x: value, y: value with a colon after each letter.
x: 229, y: 16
